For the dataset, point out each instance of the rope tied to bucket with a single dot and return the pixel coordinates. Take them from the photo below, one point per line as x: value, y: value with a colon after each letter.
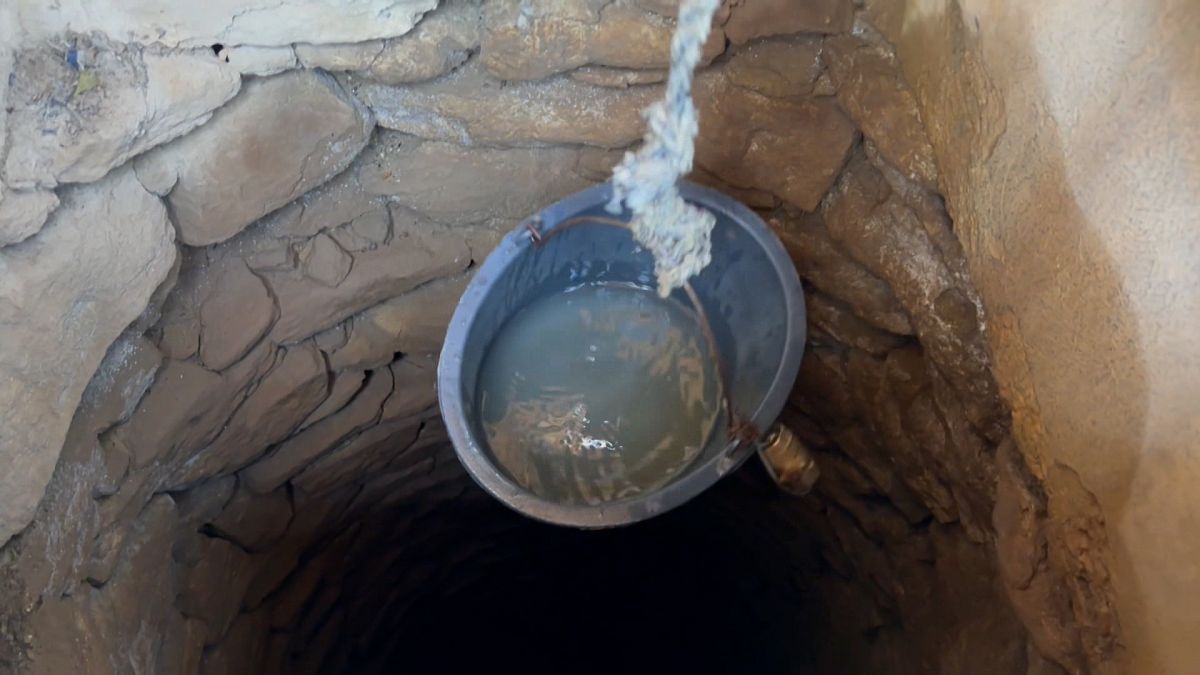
x: 678, y: 234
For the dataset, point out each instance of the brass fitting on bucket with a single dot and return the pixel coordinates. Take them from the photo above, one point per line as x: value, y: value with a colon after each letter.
x: 788, y: 461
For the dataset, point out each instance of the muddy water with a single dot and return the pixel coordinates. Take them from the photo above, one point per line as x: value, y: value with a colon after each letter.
x: 599, y: 393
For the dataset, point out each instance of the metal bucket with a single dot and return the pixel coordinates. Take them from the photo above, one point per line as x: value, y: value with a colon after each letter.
x: 750, y: 297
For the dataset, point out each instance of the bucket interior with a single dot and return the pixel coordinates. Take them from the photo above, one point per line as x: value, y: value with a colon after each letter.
x: 743, y: 292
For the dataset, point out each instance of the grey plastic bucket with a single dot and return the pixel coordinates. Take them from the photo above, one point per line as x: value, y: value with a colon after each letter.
x: 750, y: 293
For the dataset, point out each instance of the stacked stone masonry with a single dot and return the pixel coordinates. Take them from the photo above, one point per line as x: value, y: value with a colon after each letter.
x: 226, y: 274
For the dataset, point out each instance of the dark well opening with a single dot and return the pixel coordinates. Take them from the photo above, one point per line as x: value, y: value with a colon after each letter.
x: 716, y: 586
x: 439, y: 577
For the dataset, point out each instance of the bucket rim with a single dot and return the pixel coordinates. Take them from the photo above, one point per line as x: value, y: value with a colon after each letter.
x: 699, y: 477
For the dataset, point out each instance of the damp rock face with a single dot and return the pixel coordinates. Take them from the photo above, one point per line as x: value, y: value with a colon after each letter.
x: 230, y: 246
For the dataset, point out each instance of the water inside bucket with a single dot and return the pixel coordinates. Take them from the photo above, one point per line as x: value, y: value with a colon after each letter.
x: 598, y: 393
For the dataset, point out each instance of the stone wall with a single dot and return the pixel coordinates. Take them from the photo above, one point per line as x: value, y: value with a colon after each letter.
x: 232, y: 241
x: 1072, y: 168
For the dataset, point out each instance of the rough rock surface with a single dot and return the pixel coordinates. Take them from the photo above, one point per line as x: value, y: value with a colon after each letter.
x: 262, y: 61
x: 346, y: 383
x: 336, y: 203
x: 324, y: 261
x: 414, y: 323
x: 366, y: 232
x: 292, y: 456
x: 247, y: 162
x: 141, y: 590
x: 229, y: 22
x: 282, y: 400
x: 470, y: 107
x: 74, y: 124
x: 233, y: 291
x: 450, y: 183
x: 119, y: 383
x: 829, y: 268
x: 524, y: 41
x: 214, y: 568
x: 1103, y: 261
x: 881, y: 232
x: 66, y: 294
x: 876, y: 97
x: 255, y: 522
x: 371, y: 450
x: 620, y: 78
x: 183, y: 412
x: 412, y: 258
x: 441, y: 42
x: 742, y: 130
x: 23, y: 212
x: 839, y: 322
x: 178, y: 330
x: 792, y: 147
x: 752, y: 19
x: 779, y: 68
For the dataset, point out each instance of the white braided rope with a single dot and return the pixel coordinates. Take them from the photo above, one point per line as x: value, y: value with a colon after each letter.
x: 678, y: 234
